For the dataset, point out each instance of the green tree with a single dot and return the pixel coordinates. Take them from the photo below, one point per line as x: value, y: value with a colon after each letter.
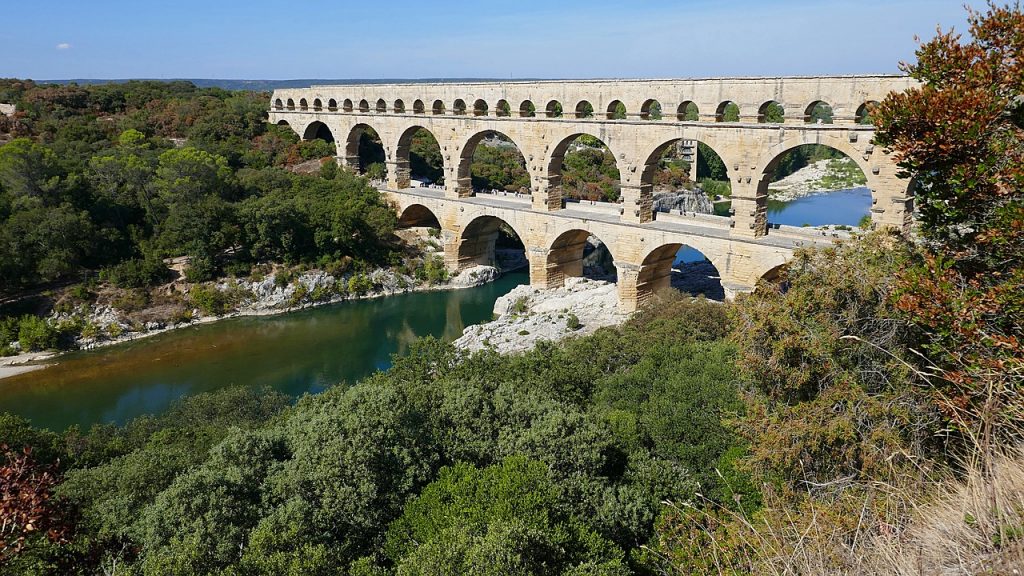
x: 773, y: 113
x: 961, y: 137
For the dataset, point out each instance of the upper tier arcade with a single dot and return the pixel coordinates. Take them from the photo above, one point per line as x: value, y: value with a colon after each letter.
x: 637, y: 119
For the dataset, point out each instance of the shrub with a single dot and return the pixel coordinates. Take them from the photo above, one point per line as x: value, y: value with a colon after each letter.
x: 208, y: 299
x: 35, y: 333
x: 201, y: 267
x: 115, y: 330
x: 131, y: 300
x: 299, y: 295
x: 572, y: 322
x: 521, y: 305
x: 136, y: 273
x: 359, y: 284
x: 432, y: 271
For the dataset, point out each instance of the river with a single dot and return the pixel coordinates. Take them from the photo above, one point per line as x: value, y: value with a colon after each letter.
x: 295, y: 353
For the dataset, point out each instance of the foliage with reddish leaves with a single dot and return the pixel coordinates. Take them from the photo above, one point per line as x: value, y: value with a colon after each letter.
x: 961, y: 136
x: 27, y: 509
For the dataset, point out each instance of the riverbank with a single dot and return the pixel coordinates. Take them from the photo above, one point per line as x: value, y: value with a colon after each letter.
x: 819, y: 177
x: 528, y: 315
x: 176, y: 306
x: 22, y: 363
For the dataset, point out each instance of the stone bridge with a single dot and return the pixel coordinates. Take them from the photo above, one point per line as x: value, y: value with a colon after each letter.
x: 543, y: 118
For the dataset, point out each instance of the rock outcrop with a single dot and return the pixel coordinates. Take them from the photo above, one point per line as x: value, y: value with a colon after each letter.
x: 683, y: 200
x: 527, y: 315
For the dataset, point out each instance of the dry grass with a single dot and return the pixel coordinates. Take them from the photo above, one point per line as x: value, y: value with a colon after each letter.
x: 968, y: 524
x: 974, y: 525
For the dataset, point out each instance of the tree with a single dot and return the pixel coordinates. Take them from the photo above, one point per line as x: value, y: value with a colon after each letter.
x: 774, y: 113
x: 961, y: 137
x: 189, y: 174
x: 821, y: 113
x: 504, y: 519
x: 691, y: 113
x: 30, y: 170
x: 30, y: 515
x: 730, y: 113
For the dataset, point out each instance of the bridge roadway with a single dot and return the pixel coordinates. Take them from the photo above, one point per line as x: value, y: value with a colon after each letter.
x: 643, y: 253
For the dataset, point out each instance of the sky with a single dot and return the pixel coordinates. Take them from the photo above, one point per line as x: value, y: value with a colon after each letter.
x: 370, y: 39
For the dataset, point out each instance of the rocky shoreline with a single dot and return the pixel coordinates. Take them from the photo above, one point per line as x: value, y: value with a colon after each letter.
x: 528, y: 315
x: 821, y: 177
x: 523, y: 317
x: 263, y: 298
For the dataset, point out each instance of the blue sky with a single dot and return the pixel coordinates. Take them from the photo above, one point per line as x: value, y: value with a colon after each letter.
x: 54, y: 39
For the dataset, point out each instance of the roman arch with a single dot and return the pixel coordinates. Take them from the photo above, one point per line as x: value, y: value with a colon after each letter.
x: 540, y: 118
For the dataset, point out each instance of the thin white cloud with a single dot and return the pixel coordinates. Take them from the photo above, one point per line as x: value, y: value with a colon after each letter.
x: 63, y: 46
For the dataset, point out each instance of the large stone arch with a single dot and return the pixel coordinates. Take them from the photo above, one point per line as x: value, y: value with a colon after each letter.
x: 401, y: 170
x: 418, y: 216
x: 655, y: 271
x: 882, y: 190
x: 552, y: 175
x: 463, y: 169
x: 650, y: 163
x: 317, y: 129
x: 352, y: 159
x: 474, y: 244
x: 563, y: 257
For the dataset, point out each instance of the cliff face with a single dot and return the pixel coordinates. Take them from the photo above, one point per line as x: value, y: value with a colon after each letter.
x: 686, y: 200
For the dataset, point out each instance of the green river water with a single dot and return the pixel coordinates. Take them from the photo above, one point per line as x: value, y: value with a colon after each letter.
x: 295, y: 353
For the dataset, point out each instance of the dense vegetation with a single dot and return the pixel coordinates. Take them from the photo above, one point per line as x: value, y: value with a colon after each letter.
x: 117, y: 175
x: 552, y: 462
x: 862, y: 416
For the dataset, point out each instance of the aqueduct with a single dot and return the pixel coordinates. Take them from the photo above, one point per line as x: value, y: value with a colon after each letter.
x: 542, y: 118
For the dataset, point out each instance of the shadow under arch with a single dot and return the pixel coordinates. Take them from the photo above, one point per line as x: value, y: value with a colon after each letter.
x: 595, y: 152
x: 511, y: 177
x: 317, y: 130
x: 364, y: 152
x: 418, y: 156
x: 481, y: 239
x: 848, y: 201
x: 418, y: 216
x: 578, y: 253
x: 681, y: 267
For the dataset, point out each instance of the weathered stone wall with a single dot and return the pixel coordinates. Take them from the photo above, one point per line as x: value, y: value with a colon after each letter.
x: 554, y: 243
x: 460, y: 115
x: 749, y: 148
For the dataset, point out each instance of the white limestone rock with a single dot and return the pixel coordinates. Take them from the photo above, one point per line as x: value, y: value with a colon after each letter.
x: 475, y: 276
x: 528, y: 315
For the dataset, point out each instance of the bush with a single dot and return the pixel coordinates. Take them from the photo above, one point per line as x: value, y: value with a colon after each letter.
x: 201, y: 267
x: 432, y: 271
x: 572, y: 322
x: 208, y: 299
x: 521, y: 305
x: 715, y: 188
x: 35, y: 333
x: 359, y: 284
x: 131, y: 300
x: 136, y: 273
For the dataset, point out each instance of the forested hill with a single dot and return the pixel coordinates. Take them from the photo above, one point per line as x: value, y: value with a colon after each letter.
x: 265, y: 85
